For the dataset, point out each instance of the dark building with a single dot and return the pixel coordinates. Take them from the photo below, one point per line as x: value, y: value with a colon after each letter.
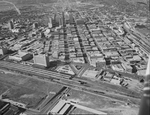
x: 11, y: 26
x: 55, y: 21
x: 71, y: 19
x: 4, y: 107
x: 63, y: 18
x: 9, y: 112
x: 134, y: 69
x: 35, y: 25
x: 80, y: 21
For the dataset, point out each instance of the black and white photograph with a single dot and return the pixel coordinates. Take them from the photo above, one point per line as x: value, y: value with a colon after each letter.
x: 74, y: 57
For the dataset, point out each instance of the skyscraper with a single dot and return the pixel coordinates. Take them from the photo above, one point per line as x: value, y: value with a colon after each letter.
x: 63, y: 18
x: 50, y: 23
x: 55, y: 21
x: 3, y: 51
x: 11, y: 25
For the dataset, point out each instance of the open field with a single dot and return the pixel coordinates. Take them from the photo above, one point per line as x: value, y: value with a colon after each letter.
x: 3, y: 87
x: 144, y: 31
x: 23, y: 89
x: 80, y: 112
x: 25, y: 95
x: 110, y: 106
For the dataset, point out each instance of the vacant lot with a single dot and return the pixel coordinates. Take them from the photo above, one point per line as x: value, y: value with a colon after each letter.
x: 26, y: 90
x: 3, y: 87
x: 78, y: 111
x: 110, y: 106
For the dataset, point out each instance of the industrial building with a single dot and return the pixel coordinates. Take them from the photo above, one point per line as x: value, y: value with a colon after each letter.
x: 7, y: 108
x: 21, y: 56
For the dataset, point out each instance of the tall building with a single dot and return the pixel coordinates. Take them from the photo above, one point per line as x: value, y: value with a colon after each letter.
x: 41, y: 59
x: 11, y: 25
x: 71, y: 19
x: 63, y: 18
x: 35, y: 25
x: 3, y: 51
x: 61, y: 21
x: 66, y: 15
x: 55, y: 21
x: 50, y: 23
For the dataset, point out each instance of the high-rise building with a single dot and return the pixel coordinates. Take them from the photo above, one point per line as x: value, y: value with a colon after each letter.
x: 3, y: 51
x: 63, y: 18
x: 11, y: 25
x: 35, y: 25
x: 66, y: 15
x: 61, y: 21
x: 71, y: 19
x: 50, y: 23
x: 41, y: 59
x: 56, y: 21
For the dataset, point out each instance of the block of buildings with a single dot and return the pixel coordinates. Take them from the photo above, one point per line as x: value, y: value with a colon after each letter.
x: 21, y: 56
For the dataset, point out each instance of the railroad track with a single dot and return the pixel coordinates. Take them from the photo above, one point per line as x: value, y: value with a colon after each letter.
x: 65, y: 81
x: 31, y: 70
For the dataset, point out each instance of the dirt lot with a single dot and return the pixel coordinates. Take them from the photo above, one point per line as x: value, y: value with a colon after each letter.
x: 26, y: 90
x: 110, y: 106
x: 3, y: 87
x: 81, y: 112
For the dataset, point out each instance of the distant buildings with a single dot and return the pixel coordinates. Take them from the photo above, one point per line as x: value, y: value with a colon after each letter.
x: 41, y: 59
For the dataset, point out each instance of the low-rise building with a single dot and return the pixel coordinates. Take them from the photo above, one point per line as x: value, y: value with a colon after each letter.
x: 21, y: 56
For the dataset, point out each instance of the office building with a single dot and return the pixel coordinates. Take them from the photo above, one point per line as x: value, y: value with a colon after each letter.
x: 35, y: 25
x: 3, y: 51
x: 41, y: 59
x: 21, y: 56
x: 63, y: 18
x: 66, y: 16
x: 71, y: 19
x: 11, y: 25
x: 55, y: 21
x: 50, y: 23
